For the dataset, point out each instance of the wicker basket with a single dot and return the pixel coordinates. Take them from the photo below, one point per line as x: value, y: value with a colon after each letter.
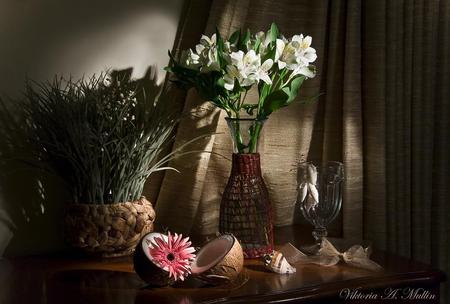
x: 109, y: 230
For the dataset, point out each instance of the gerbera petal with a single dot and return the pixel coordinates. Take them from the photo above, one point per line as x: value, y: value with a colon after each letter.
x: 160, y: 242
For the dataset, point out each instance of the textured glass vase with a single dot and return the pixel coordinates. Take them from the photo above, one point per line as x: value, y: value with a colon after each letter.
x: 245, y: 210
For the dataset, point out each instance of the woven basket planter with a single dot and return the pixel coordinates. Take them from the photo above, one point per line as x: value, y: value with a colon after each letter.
x: 108, y: 230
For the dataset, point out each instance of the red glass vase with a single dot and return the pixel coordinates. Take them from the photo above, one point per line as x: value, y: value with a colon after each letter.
x: 245, y: 210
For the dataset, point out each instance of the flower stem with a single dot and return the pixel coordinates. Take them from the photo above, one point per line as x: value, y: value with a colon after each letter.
x: 254, y: 135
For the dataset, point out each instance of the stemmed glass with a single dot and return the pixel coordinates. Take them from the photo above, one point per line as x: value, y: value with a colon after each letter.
x: 320, y: 195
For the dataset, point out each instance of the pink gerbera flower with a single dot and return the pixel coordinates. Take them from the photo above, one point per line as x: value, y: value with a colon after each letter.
x: 173, y: 254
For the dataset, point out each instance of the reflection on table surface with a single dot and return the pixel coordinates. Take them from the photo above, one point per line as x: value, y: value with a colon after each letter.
x: 83, y: 280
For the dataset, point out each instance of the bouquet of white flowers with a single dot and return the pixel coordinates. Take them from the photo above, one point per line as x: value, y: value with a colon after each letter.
x: 223, y: 71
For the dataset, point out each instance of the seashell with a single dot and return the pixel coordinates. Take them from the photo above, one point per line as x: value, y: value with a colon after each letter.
x: 277, y: 263
x: 312, y: 174
x: 303, y: 190
x: 314, y: 193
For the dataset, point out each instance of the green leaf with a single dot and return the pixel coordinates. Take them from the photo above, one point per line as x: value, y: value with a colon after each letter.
x: 244, y: 40
x: 275, y: 101
x: 264, y: 90
x: 234, y: 38
x: 220, y: 48
x: 257, y: 45
x: 220, y: 82
x: 294, y: 87
x: 274, y: 32
x: 311, y: 99
x: 283, y: 97
x: 270, y: 52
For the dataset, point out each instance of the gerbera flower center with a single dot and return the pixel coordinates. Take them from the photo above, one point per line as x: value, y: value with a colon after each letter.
x: 170, y: 256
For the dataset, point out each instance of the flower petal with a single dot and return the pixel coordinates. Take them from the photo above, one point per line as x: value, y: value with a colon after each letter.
x: 266, y: 78
x: 279, y: 49
x: 281, y: 64
x: 267, y: 65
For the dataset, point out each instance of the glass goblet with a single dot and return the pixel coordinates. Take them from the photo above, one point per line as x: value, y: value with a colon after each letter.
x: 320, y: 195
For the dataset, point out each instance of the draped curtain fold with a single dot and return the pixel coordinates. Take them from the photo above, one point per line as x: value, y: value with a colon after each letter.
x: 384, y: 68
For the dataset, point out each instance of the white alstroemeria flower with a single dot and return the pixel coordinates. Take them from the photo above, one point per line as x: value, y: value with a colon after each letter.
x: 205, y: 55
x: 287, y: 57
x: 305, y: 53
x: 232, y: 74
x: 236, y: 57
x: 296, y: 55
x: 251, y: 62
x: 210, y: 62
x: 247, y: 69
x: 199, y: 48
x: 190, y: 59
x: 206, y: 41
x: 262, y: 72
x: 247, y: 65
x: 265, y: 40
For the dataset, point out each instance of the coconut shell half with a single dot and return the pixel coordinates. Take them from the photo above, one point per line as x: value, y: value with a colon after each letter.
x: 144, y: 266
x: 220, y: 261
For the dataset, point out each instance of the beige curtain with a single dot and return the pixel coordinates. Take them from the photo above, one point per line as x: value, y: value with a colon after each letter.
x: 384, y: 69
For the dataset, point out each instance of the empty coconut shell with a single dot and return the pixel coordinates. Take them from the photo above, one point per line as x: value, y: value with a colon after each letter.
x: 220, y: 261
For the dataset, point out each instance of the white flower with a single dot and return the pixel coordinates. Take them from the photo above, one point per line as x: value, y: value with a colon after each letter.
x: 265, y: 40
x: 262, y: 72
x: 205, y: 56
x: 287, y: 56
x: 305, y: 52
x: 190, y: 59
x: 232, y: 74
x: 210, y: 61
x: 280, y: 45
x: 296, y: 55
x: 246, y: 69
x: 206, y: 41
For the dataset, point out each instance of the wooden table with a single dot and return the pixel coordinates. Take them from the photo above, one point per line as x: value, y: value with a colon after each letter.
x: 81, y: 280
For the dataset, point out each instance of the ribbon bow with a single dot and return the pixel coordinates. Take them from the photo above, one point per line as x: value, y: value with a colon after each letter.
x: 328, y: 255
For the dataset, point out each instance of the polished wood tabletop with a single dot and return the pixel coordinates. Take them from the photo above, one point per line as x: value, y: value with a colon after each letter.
x: 94, y: 280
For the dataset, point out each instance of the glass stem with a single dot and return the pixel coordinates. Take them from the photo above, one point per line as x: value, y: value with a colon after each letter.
x: 319, y: 233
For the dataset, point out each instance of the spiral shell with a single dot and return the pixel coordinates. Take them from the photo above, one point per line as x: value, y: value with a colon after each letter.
x: 277, y: 263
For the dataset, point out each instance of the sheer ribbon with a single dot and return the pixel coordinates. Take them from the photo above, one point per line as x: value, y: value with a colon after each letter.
x: 328, y: 255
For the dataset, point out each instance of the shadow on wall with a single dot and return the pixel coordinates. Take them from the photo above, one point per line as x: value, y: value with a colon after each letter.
x: 30, y: 199
x: 48, y: 37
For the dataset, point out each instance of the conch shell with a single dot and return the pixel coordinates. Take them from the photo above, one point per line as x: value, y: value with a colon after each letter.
x: 309, y: 186
x: 277, y: 263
